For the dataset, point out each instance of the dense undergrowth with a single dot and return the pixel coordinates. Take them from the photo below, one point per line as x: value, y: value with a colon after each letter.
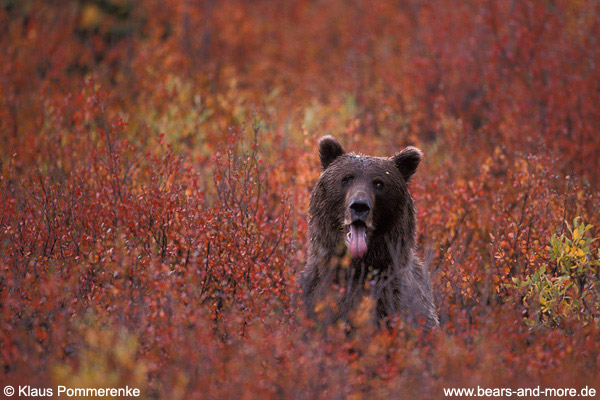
x: 157, y: 159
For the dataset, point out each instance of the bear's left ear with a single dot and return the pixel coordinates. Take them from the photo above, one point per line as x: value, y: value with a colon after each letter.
x: 407, y: 161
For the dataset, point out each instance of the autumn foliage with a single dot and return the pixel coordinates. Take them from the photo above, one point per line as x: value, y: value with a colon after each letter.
x: 156, y: 163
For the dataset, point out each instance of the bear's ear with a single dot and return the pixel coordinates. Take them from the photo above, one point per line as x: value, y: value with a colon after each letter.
x: 329, y: 150
x: 407, y: 161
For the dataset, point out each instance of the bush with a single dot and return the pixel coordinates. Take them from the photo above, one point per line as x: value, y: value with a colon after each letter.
x: 568, y: 288
x: 156, y: 163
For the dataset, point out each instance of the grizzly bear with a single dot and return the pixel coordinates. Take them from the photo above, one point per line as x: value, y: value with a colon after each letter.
x: 362, y: 228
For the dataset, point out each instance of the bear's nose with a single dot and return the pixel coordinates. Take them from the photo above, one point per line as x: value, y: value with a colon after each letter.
x: 360, y: 208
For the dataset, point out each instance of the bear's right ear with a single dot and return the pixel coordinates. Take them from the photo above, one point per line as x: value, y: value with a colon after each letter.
x: 329, y: 150
x: 407, y: 161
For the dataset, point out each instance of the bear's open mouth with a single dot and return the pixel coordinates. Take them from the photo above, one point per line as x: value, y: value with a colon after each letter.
x: 357, y: 239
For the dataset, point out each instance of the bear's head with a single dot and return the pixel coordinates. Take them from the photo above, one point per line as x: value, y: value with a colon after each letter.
x: 365, y: 197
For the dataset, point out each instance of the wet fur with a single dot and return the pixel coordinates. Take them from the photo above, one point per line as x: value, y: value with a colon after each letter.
x: 400, y: 284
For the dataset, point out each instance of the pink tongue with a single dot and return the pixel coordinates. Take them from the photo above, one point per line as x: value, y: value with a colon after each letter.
x: 357, y: 243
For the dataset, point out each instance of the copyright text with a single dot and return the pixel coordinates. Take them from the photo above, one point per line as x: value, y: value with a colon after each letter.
x: 31, y: 391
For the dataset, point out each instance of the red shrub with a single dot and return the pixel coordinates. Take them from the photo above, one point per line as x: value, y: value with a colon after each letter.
x: 152, y: 237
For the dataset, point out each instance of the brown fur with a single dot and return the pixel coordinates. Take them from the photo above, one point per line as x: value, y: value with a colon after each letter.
x: 389, y: 271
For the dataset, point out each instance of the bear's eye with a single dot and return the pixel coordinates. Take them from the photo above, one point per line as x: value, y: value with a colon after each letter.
x: 347, y: 179
x: 378, y: 184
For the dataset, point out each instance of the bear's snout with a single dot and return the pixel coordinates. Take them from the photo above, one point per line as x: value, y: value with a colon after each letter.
x: 360, y: 208
x: 359, y: 220
x: 359, y: 205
